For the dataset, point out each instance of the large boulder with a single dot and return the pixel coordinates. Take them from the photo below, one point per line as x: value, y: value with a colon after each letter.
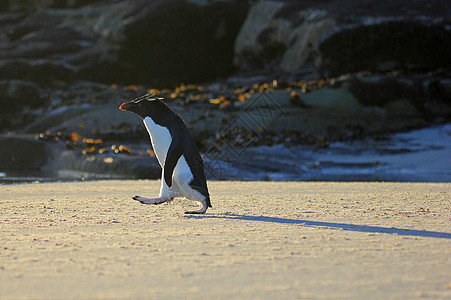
x: 338, y: 37
x: 183, y: 41
x: 280, y: 35
x: 411, y: 46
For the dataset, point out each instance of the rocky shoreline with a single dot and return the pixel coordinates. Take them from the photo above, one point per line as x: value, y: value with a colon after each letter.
x: 256, y: 74
x: 99, y: 141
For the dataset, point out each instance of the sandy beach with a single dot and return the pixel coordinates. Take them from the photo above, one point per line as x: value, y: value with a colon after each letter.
x: 261, y: 240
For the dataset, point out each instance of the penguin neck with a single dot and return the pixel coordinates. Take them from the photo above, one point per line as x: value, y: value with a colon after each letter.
x: 153, y: 127
x: 159, y: 112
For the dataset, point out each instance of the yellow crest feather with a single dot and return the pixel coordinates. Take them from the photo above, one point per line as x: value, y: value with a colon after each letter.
x: 148, y: 97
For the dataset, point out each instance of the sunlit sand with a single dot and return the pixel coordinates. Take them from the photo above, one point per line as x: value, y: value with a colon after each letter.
x: 261, y: 240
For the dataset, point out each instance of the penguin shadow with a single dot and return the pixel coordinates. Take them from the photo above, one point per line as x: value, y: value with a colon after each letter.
x: 329, y: 225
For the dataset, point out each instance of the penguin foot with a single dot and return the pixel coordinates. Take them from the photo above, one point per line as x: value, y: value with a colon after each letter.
x: 200, y: 211
x: 195, y: 212
x: 155, y: 201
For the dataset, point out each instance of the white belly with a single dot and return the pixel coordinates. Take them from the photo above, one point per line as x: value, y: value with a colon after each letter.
x: 160, y: 137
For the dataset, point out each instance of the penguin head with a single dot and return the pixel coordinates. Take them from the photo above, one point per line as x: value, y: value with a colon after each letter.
x: 146, y: 105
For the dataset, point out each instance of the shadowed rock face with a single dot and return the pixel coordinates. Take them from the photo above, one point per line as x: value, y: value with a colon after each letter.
x: 183, y: 42
x: 337, y: 37
x: 159, y: 42
x: 400, y: 45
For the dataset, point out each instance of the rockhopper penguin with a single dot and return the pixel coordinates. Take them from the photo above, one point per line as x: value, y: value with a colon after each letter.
x: 182, y: 167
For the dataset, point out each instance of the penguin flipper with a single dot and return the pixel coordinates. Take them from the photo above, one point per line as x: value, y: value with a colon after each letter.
x: 174, y: 153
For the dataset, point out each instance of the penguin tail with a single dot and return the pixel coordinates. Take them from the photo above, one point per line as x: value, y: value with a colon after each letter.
x: 208, y: 201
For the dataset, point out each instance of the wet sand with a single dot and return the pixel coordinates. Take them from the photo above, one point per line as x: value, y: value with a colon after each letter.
x: 261, y: 240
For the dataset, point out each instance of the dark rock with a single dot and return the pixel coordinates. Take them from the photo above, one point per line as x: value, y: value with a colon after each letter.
x: 397, y: 45
x: 159, y: 42
x: 380, y: 92
x: 181, y: 41
x: 17, y: 97
x: 23, y: 154
x: 428, y: 96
